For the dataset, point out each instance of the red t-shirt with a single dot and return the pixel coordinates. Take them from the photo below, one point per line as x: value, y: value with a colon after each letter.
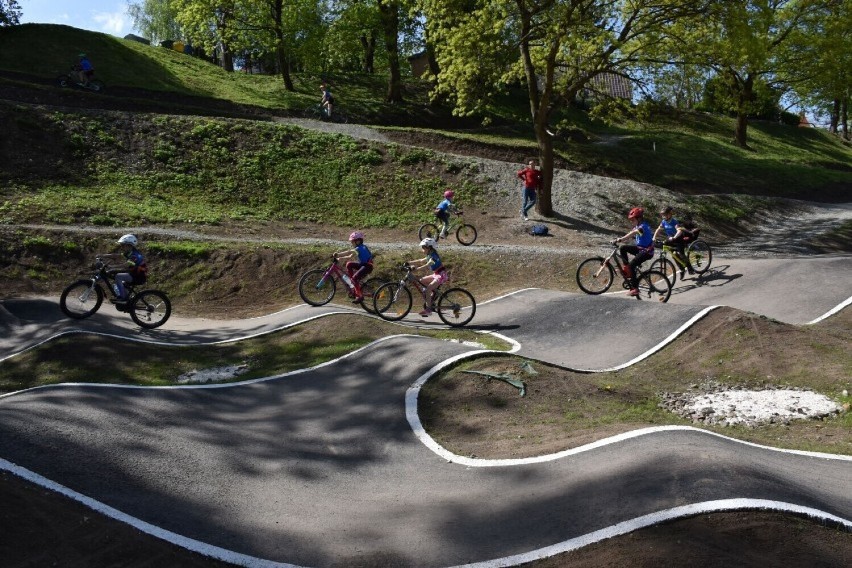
x: 531, y: 177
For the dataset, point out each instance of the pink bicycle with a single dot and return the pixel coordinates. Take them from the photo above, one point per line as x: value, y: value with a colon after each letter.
x: 317, y: 287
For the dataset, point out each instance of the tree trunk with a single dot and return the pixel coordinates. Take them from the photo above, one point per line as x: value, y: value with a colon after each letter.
x: 835, y: 116
x: 227, y: 58
x: 369, y: 45
x: 389, y: 11
x: 544, y: 204
x: 746, y: 95
x: 284, y: 66
x: 844, y: 116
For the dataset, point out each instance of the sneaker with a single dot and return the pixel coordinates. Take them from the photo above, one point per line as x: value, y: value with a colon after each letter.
x: 682, y: 271
x: 357, y: 299
x: 633, y: 292
x: 526, y: 218
x: 425, y: 313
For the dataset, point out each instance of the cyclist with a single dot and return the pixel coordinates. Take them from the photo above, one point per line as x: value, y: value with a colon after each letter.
x: 676, y: 236
x: 364, y: 265
x: 642, y: 250
x: 430, y: 281
x: 136, y: 271
x: 84, y: 68
x: 532, y: 182
x: 443, y: 210
x: 327, y: 101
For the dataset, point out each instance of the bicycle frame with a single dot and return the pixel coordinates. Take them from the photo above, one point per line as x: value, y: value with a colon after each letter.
x: 666, y: 250
x: 335, y: 271
x: 412, y: 279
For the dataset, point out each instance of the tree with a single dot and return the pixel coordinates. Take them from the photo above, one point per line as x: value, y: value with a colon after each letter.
x: 556, y: 47
x: 10, y: 13
x: 155, y: 20
x: 389, y: 12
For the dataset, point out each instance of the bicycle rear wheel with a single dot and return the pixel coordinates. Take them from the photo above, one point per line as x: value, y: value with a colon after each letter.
x: 315, y: 289
x: 456, y: 307
x: 700, y: 256
x: 667, y: 267
x: 392, y: 301
x: 466, y: 234
x: 150, y: 308
x: 429, y: 230
x: 595, y: 276
x: 368, y: 291
x: 653, y: 285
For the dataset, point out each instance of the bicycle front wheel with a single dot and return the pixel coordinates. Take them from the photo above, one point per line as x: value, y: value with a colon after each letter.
x: 653, y: 285
x: 315, y: 289
x: 312, y: 111
x: 392, y: 302
x: 368, y: 291
x: 150, y: 308
x: 667, y: 267
x: 456, y: 307
x: 466, y: 234
x: 700, y: 256
x: 81, y: 299
x: 595, y: 276
x: 429, y: 230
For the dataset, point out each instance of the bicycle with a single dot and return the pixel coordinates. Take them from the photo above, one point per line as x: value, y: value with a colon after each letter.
x: 148, y: 308
x: 595, y: 276
x: 698, y: 258
x: 392, y: 301
x: 318, y: 112
x: 465, y: 232
x: 72, y: 79
x: 317, y: 287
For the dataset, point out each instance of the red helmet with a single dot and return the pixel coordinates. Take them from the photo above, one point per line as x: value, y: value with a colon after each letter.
x: 449, y: 194
x: 356, y: 235
x: 636, y: 213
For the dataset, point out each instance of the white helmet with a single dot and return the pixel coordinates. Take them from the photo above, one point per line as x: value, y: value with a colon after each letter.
x: 128, y: 240
x: 428, y: 242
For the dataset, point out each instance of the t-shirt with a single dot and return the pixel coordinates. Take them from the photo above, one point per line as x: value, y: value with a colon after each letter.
x: 435, y: 261
x: 364, y: 254
x: 645, y: 236
x: 531, y: 177
x: 670, y: 226
x: 444, y: 206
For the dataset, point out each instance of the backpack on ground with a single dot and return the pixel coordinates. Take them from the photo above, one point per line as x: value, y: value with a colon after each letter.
x: 539, y: 230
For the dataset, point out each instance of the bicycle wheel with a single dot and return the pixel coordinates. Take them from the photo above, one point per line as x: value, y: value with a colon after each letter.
x: 429, y: 230
x: 466, y: 234
x: 667, y: 267
x: 96, y: 85
x: 81, y: 299
x: 368, y: 291
x: 312, y: 112
x: 700, y: 256
x: 392, y: 301
x: 653, y: 285
x: 456, y: 307
x: 595, y: 276
x: 315, y: 289
x: 339, y: 117
x: 150, y: 308
x: 64, y: 81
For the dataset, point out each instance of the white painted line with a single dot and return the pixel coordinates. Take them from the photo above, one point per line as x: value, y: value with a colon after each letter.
x: 644, y: 521
x: 832, y: 311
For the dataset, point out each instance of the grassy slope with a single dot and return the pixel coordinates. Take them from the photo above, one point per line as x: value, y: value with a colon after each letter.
x: 690, y: 152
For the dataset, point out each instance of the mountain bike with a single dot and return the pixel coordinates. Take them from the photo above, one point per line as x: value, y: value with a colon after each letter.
x: 465, y: 232
x: 317, y: 287
x: 392, y: 301
x: 318, y: 112
x: 698, y: 258
x: 72, y: 79
x: 81, y: 299
x: 596, y: 275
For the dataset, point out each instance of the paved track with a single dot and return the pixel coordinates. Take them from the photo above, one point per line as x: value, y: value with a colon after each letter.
x: 322, y: 466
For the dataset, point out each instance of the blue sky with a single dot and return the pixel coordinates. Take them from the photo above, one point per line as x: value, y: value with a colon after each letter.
x: 107, y: 16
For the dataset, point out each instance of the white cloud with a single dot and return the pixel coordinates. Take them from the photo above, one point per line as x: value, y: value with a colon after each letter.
x: 111, y: 22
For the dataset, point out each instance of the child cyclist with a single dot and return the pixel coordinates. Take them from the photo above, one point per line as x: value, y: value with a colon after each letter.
x: 676, y: 235
x: 431, y: 281
x: 642, y: 250
x: 363, y: 266
x: 136, y: 271
x: 443, y: 210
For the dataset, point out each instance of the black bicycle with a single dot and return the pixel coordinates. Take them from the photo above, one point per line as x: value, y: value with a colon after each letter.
x: 465, y: 232
x: 72, y: 79
x: 319, y: 112
x: 81, y: 299
x: 596, y: 275
x: 393, y: 301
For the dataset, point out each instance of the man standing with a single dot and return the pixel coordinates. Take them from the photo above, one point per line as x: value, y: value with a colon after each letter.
x: 532, y: 182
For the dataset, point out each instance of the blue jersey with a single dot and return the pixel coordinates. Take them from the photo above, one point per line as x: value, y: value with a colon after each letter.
x: 444, y: 206
x: 435, y: 261
x: 364, y: 254
x: 645, y: 236
x: 670, y: 226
